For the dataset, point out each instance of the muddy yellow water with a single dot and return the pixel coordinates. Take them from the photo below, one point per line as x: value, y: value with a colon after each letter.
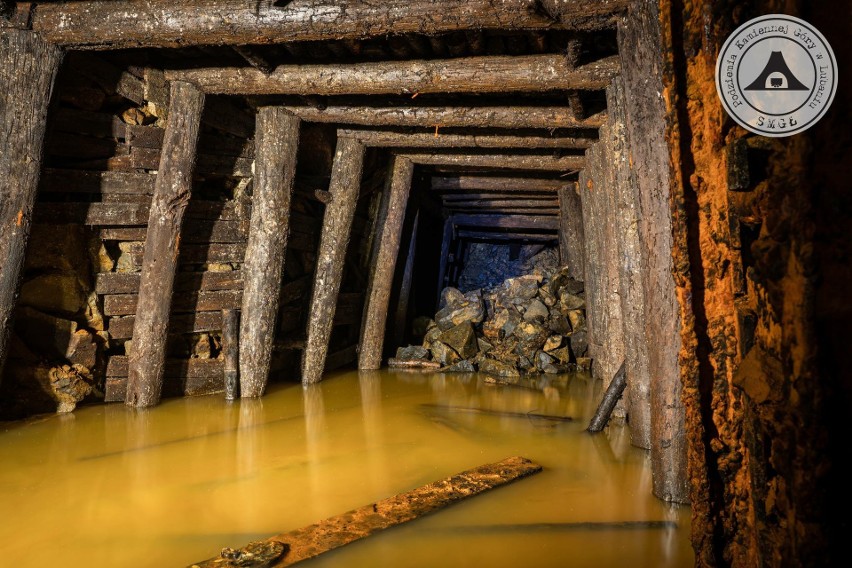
x: 108, y: 486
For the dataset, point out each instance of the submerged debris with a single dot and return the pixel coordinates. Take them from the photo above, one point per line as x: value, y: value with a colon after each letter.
x: 529, y: 324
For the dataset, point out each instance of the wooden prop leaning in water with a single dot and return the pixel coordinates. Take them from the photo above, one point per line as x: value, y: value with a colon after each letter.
x: 289, y: 548
x: 611, y: 396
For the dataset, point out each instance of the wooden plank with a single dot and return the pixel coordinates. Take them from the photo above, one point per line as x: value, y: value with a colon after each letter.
x: 162, y: 23
x: 341, y: 358
x: 125, y: 304
x: 505, y: 210
x: 389, y: 230
x: 513, y: 236
x: 28, y: 68
x: 517, y: 203
x: 152, y: 137
x: 93, y: 123
x: 196, y: 253
x: 456, y: 196
x: 77, y: 181
x: 390, y: 139
x: 523, y: 73
x: 313, y: 540
x: 508, y: 117
x: 275, y: 169
x: 125, y: 214
x: 172, y: 191
x: 195, y: 231
x: 544, y: 162
x: 183, y: 377
x: 196, y: 322
x: 128, y: 282
x: 334, y: 238
x: 507, y: 221
x: 210, y: 164
x: 485, y: 183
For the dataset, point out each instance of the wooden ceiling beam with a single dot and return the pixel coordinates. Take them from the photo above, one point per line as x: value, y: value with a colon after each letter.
x: 487, y: 183
x: 388, y: 139
x: 485, y: 74
x: 509, y: 117
x: 501, y: 161
x: 494, y: 222
x: 102, y: 24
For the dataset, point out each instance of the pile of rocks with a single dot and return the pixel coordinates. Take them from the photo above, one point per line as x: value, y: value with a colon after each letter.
x: 529, y: 324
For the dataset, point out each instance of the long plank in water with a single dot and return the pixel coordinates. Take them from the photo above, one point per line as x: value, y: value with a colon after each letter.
x: 334, y: 532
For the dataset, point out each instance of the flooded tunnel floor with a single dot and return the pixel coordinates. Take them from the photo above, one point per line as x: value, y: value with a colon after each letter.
x: 109, y: 486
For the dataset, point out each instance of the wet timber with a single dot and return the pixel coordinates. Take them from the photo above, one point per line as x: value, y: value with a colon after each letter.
x: 275, y: 166
x: 334, y: 239
x: 389, y: 231
x: 28, y: 67
x: 172, y: 191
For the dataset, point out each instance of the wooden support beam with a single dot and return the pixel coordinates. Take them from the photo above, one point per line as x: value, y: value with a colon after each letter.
x: 613, y: 393
x: 530, y: 203
x: 571, y: 235
x: 526, y: 73
x: 505, y: 210
x: 446, y: 240
x: 513, y: 236
x: 401, y: 313
x: 334, y: 239
x: 389, y: 231
x: 501, y: 161
x: 290, y: 548
x: 172, y: 191
x: 390, y: 139
x: 509, y: 117
x: 231, y: 351
x: 255, y: 59
x: 28, y: 68
x: 454, y: 197
x: 483, y: 183
x: 507, y: 221
x: 101, y: 24
x: 277, y: 141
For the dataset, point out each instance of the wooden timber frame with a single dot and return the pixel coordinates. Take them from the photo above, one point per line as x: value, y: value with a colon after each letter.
x: 36, y: 35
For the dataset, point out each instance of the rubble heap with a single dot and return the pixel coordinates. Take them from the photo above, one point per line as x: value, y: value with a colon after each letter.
x: 529, y: 324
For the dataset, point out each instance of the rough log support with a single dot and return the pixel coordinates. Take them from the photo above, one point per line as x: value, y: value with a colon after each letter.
x: 509, y: 161
x: 461, y: 75
x: 613, y: 393
x: 446, y: 240
x: 401, y: 316
x: 172, y: 191
x: 28, y: 67
x: 165, y: 23
x: 482, y: 183
x: 389, y: 228
x: 337, y: 224
x: 301, y: 544
x: 571, y: 236
x: 231, y: 351
x: 507, y: 117
x: 277, y: 140
x: 391, y: 139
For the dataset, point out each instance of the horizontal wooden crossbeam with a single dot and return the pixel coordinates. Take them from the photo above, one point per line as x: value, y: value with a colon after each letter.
x: 503, y: 184
x: 390, y: 139
x: 501, y: 161
x: 486, y: 74
x: 103, y: 24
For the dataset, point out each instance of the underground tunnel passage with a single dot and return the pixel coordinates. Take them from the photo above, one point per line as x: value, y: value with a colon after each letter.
x: 328, y: 252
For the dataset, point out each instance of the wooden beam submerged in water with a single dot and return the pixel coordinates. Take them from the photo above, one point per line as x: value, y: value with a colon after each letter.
x: 334, y: 532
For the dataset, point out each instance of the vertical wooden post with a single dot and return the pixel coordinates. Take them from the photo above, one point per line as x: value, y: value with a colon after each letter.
x: 405, y: 287
x: 571, y: 237
x: 231, y: 351
x: 389, y: 229
x: 172, y: 190
x: 336, y: 228
x: 28, y: 67
x: 276, y: 143
x: 445, y: 252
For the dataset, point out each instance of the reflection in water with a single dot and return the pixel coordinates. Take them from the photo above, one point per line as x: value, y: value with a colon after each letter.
x: 112, y: 486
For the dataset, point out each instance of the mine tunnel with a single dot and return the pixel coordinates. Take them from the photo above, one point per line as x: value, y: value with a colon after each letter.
x: 230, y: 223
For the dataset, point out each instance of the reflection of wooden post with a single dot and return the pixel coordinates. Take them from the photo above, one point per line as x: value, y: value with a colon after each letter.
x: 389, y: 229
x: 276, y: 142
x: 231, y: 351
x: 172, y: 191
x: 28, y: 67
x: 445, y: 253
x: 336, y: 228
x: 405, y: 287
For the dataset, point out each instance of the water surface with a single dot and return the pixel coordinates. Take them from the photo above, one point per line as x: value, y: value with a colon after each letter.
x: 111, y: 486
